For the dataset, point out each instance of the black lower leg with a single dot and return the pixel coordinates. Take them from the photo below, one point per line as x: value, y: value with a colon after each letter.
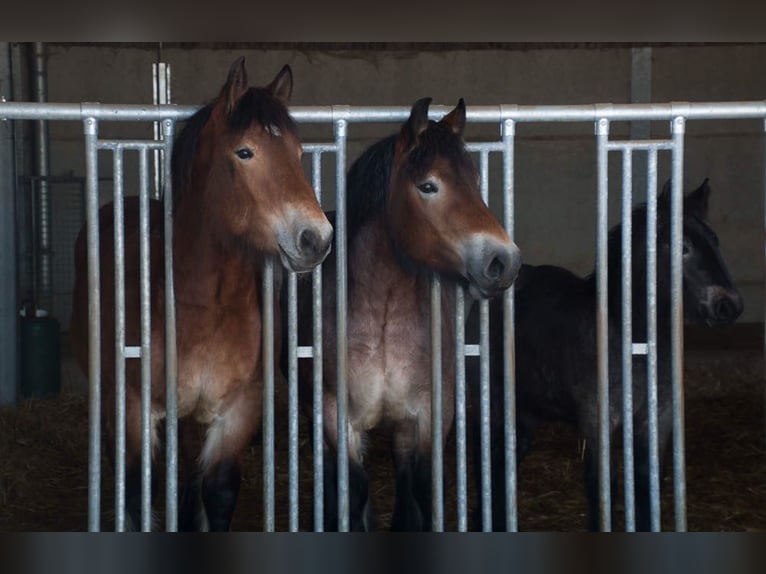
x: 412, y: 506
x: 189, y: 513
x: 220, y: 489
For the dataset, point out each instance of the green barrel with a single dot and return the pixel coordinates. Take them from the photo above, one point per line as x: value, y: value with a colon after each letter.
x: 40, y: 357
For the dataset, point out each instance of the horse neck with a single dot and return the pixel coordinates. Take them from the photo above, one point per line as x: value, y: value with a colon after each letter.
x: 207, y: 266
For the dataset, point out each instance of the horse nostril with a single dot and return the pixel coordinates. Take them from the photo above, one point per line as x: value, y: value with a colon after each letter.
x: 495, y: 268
x: 308, y: 241
x: 726, y: 309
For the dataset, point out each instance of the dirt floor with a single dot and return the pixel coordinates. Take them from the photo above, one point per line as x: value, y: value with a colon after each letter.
x: 43, y: 463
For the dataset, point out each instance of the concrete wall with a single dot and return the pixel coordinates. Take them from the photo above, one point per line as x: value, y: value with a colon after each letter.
x: 555, y: 163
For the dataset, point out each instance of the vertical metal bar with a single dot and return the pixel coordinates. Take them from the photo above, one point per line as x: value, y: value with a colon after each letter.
x: 42, y: 167
x: 460, y: 416
x: 341, y: 328
x: 268, y: 395
x: 147, y: 426
x: 602, y: 326
x: 651, y: 338
x: 94, y: 326
x: 484, y: 410
x: 764, y: 283
x: 627, y: 340
x: 437, y: 484
x: 509, y: 347
x: 119, y: 343
x: 292, y: 398
x: 318, y: 357
x: 9, y: 338
x: 171, y: 364
x: 676, y: 326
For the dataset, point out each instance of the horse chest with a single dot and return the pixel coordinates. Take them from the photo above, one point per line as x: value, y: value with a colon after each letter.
x: 388, y: 353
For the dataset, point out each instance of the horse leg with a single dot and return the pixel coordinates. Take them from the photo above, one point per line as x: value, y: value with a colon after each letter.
x: 411, y: 452
x: 641, y: 453
x: 191, y: 512
x: 221, y: 459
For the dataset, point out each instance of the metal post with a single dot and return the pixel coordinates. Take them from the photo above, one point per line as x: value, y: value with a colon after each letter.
x: 318, y: 366
x: 94, y: 325
x: 678, y: 128
x: 460, y: 415
x: 42, y: 168
x: 341, y: 126
x: 292, y: 391
x: 268, y: 394
x: 437, y: 485
x: 146, y: 343
x: 9, y: 348
x: 484, y: 406
x: 509, y: 347
x: 171, y: 357
x: 602, y: 326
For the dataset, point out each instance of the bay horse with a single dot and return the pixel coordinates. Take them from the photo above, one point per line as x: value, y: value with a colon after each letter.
x: 414, y: 210
x: 241, y: 195
x: 556, y: 357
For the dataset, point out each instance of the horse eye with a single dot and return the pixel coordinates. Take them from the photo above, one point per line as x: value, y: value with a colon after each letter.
x: 428, y: 187
x: 244, y: 153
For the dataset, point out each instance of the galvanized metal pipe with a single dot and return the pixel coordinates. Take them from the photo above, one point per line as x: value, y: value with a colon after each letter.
x: 651, y: 338
x: 42, y: 169
x: 171, y: 357
x: 119, y: 343
x: 94, y: 326
x: 147, y: 425
x: 460, y: 415
x: 509, y: 346
x: 627, y: 340
x: 318, y: 366
x: 484, y: 401
x: 437, y: 459
x: 678, y: 127
x: 292, y: 398
x: 341, y: 127
x: 268, y: 394
x: 602, y: 327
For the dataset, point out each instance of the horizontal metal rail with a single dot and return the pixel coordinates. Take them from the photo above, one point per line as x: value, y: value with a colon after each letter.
x: 356, y: 114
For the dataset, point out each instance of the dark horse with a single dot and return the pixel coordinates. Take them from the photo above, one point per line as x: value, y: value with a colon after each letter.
x: 556, y: 346
x: 241, y: 196
x: 414, y: 209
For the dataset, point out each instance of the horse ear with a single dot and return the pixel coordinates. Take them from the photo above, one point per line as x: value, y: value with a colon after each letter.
x: 456, y: 118
x: 236, y: 84
x: 282, y: 85
x: 697, y: 201
x: 415, y: 124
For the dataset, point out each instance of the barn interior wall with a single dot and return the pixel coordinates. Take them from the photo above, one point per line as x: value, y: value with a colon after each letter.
x: 555, y: 163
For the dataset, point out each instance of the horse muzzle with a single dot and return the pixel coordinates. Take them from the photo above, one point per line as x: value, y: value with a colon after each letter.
x: 721, y: 307
x: 491, y: 265
x: 305, y: 246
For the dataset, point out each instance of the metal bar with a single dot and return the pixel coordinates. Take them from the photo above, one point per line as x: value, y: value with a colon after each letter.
x: 171, y: 358
x: 641, y: 145
x: 317, y: 353
x: 484, y: 410
x: 119, y: 344
x: 292, y: 398
x: 602, y: 327
x: 678, y: 128
x: 9, y: 336
x: 362, y: 114
x: 460, y: 416
x: 509, y: 347
x: 268, y: 394
x: 651, y: 338
x: 437, y: 459
x: 627, y: 341
x: 42, y: 168
x: 763, y: 139
x: 485, y: 146
x: 341, y: 126
x: 137, y: 144
x: 94, y: 327
x: 147, y: 425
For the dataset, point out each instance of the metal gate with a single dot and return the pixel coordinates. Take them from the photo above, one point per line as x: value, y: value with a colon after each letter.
x: 506, y: 119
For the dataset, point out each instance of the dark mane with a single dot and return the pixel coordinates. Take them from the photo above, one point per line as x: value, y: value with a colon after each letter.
x: 257, y: 105
x: 368, y: 178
